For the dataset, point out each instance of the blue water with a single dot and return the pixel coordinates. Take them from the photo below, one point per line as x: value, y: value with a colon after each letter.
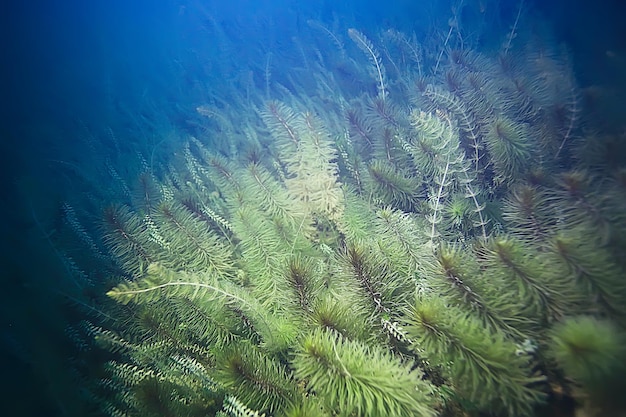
x: 96, y: 91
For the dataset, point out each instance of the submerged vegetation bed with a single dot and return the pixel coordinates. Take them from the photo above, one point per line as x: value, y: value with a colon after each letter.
x: 389, y: 226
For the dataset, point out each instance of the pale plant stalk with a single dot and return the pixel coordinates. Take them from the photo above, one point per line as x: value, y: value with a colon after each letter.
x: 443, y: 181
x: 479, y: 209
x: 570, y: 127
x: 514, y: 28
x: 443, y: 48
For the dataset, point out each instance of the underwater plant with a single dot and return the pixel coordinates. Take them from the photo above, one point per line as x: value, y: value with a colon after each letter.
x: 386, y: 252
x: 591, y: 352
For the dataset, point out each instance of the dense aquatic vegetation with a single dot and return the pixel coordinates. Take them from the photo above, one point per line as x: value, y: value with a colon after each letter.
x: 365, y: 223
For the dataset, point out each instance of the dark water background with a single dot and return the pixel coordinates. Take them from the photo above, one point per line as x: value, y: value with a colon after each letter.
x: 71, y: 67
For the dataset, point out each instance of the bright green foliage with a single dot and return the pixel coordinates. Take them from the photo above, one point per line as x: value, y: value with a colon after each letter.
x: 464, y: 118
x: 459, y: 217
x: 356, y: 222
x: 392, y: 186
x: 397, y: 235
x: 452, y: 194
x: 309, y: 407
x: 302, y: 280
x: 456, y: 276
x: 510, y: 148
x: 190, y: 245
x: 161, y: 283
x: 339, y: 314
x: 357, y: 379
x: 480, y: 363
x: 515, y: 265
x: 261, y: 190
x: 258, y: 380
x: 306, y: 150
x: 263, y: 250
x: 235, y: 408
x: 312, y: 171
x: 210, y: 324
x: 435, y: 145
x: 368, y: 280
